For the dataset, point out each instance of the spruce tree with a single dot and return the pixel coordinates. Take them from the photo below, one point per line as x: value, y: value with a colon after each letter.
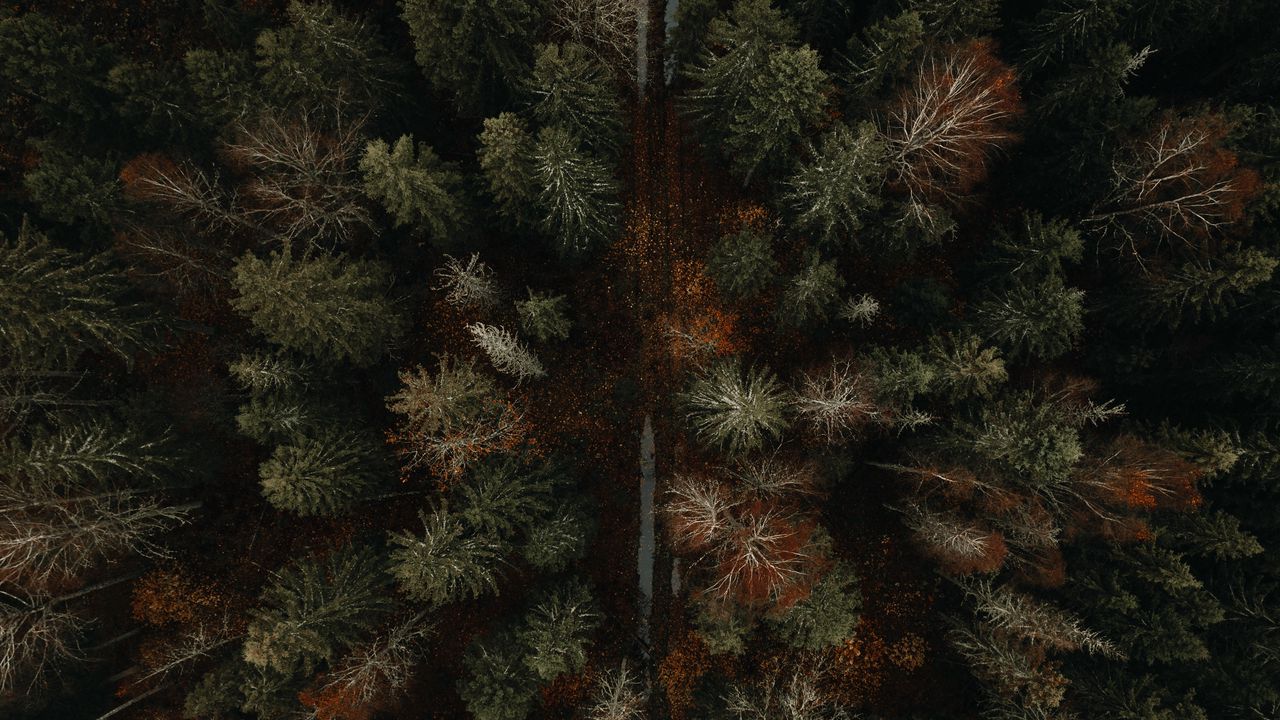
x: 329, y: 307
x: 827, y: 617
x: 573, y: 90
x: 544, y: 316
x: 447, y: 563
x: 71, y: 188
x: 1037, y: 319
x: 742, y: 264
x: 839, y: 187
x: 420, y: 191
x: 504, y: 496
x: 736, y: 410
x: 497, y: 684
x: 323, y: 475
x: 577, y: 193
x: 810, y: 294
x: 506, y: 161
x: 556, y: 629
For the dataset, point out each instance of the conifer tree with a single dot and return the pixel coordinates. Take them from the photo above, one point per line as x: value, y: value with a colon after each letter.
x: 323, y: 475
x: 57, y: 67
x: 71, y: 188
x: 573, y: 90
x: 544, y: 316
x: 506, y: 352
x: 827, y: 617
x: 506, y: 160
x: 810, y: 294
x: 839, y: 186
x: 503, y: 496
x: 883, y: 55
x: 735, y: 410
x: 497, y: 685
x: 1038, y: 319
x: 445, y: 564
x: 555, y: 543
x: 576, y: 192
x: 556, y: 629
x: 314, y: 609
x: 418, y: 190
x: 742, y: 264
x: 1197, y: 291
x: 328, y: 307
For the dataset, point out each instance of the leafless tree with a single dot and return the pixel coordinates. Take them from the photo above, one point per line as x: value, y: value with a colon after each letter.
x: 790, y: 695
x: 862, y: 310
x: 198, y: 642
x: 838, y: 402
x: 385, y: 664
x: 619, y: 696
x: 698, y: 510
x: 607, y: 27
x: 467, y: 284
x: 506, y: 352
x: 1176, y: 185
x: 771, y: 477
x: 955, y: 112
x: 306, y: 184
x: 184, y: 190
x: 37, y: 634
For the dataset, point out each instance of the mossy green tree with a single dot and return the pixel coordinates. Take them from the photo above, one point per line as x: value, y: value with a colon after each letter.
x: 811, y: 293
x: 742, y: 264
x: 556, y: 629
x: 577, y: 192
x: 544, y: 316
x: 839, y: 186
x: 323, y: 475
x: 416, y: 187
x: 827, y: 617
x: 448, y: 562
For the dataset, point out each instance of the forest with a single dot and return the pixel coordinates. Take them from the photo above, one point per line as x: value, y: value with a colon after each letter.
x: 623, y: 359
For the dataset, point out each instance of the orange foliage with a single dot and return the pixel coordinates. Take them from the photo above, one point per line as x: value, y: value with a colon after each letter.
x: 170, y: 596
x: 336, y: 702
x: 687, y: 660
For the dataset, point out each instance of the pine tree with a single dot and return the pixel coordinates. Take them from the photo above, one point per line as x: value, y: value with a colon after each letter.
x: 559, y: 541
x: 314, y: 609
x: 71, y: 188
x: 321, y: 53
x: 328, y: 307
x: 1197, y: 291
x: 742, y: 264
x: 420, y: 191
x: 154, y: 99
x: 555, y: 631
x: 497, y: 684
x: 506, y: 352
x: 1215, y: 535
x: 811, y: 292
x: 573, y: 90
x: 779, y: 107
x: 277, y: 417
x: 503, y: 497
x: 827, y: 617
x: 58, y: 304
x: 506, y: 160
x: 447, y: 563
x: 1036, y: 319
x: 577, y: 193
x: 224, y: 83
x: 965, y: 368
x: 840, y: 186
x: 736, y: 411
x: 544, y: 316
x: 1034, y: 247
x: 262, y: 372
x: 478, y: 51
x: 323, y: 475
x: 57, y: 67
x: 883, y: 55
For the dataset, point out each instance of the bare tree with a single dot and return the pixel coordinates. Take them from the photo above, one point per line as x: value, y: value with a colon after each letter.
x: 184, y: 190
x: 383, y: 665
x: 838, y: 402
x: 1039, y: 623
x: 619, y: 696
x: 198, y: 642
x: 942, y: 127
x: 607, y: 27
x: 468, y: 285
x: 790, y: 695
x: 861, y: 310
x: 37, y: 635
x: 506, y: 352
x: 962, y: 547
x: 1178, y: 184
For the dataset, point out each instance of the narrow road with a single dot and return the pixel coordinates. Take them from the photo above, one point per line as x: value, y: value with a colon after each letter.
x: 647, y: 547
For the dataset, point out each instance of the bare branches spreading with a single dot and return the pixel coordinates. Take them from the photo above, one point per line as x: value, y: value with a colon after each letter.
x: 619, y: 695
x: 942, y: 128
x: 607, y: 27
x: 36, y: 635
x: 506, y: 352
x: 381, y: 666
x: 1176, y: 185
x: 468, y: 284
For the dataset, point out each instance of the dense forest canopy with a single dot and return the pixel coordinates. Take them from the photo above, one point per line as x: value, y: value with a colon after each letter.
x: 619, y: 359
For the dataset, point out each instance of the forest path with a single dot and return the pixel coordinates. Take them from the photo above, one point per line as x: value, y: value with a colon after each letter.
x: 648, y: 541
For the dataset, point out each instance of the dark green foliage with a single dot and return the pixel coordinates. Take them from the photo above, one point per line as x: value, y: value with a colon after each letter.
x: 687, y: 35
x: 556, y: 630
x: 742, y: 264
x: 577, y: 193
x: 573, y: 90
x: 417, y: 190
x: 282, y: 416
x: 956, y: 20
x: 316, y: 608
x: 479, y: 51
x: 331, y: 308
x: 1041, y: 319
x: 57, y: 304
x: 503, y: 496
x: 1213, y: 535
x: 154, y: 99
x: 1034, y: 247
x: 557, y: 542
x: 71, y: 188
x: 506, y: 160
x: 725, y: 630
x: 964, y: 367
x: 827, y: 617
x: 810, y: 294
x: 223, y: 82
x: 323, y: 475
x: 544, y: 316
x: 736, y: 410
x: 497, y: 685
x: 447, y: 563
x: 882, y: 56
x: 57, y: 67
x: 834, y: 192
x: 1197, y: 291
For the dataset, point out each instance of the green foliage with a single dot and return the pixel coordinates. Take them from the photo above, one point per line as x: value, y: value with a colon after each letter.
x: 447, y: 563
x: 686, y: 37
x: 544, y: 316
x: 883, y: 55
x: 577, y: 193
x: 478, y: 51
x: 573, y: 90
x: 321, y: 54
x: 323, y: 475
x: 834, y: 192
x: 223, y: 82
x: 57, y: 67
x: 735, y: 410
x: 827, y: 617
x: 420, y: 191
x: 497, y: 684
x: 725, y: 630
x: 1033, y: 440
x: 283, y: 416
x: 57, y: 304
x: 503, y: 496
x: 559, y: 541
x: 506, y: 161
x: 556, y: 629
x: 1197, y: 291
x: 965, y: 368
x: 742, y: 264
x: 1034, y: 248
x: 957, y: 20
x: 328, y: 307
x: 1037, y: 319
x: 778, y: 107
x: 811, y: 293
x: 268, y: 372
x: 154, y: 99
x: 70, y: 188
x: 1214, y: 535
x: 455, y: 396
x: 88, y: 453
x: 314, y: 609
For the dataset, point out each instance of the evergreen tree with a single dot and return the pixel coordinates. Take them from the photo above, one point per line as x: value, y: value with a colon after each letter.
x: 544, y: 316
x: 58, y: 304
x: 420, y: 191
x: 70, y: 188
x: 556, y: 629
x: 811, y: 292
x: 559, y: 541
x: 883, y: 55
x: 330, y: 308
x: 314, y: 609
x: 446, y: 563
x: 506, y: 160
x: 1041, y: 319
x: 503, y: 496
x: 322, y: 475
x: 573, y: 90
x: 1197, y: 291
x: 827, y: 617
x: 840, y: 185
x: 57, y: 67
x: 965, y: 368
x: 736, y: 411
x: 497, y: 685
x: 478, y: 51
x: 742, y: 264
x: 224, y: 84
x: 1034, y: 247
x: 577, y: 193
